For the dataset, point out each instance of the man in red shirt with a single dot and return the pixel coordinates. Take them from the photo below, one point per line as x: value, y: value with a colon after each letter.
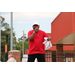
x: 36, y: 46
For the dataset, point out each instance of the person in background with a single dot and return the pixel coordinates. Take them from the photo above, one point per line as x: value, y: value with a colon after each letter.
x: 36, y: 46
x: 6, y: 56
x: 10, y: 58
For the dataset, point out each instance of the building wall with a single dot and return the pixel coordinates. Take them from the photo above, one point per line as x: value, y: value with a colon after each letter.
x: 62, y: 26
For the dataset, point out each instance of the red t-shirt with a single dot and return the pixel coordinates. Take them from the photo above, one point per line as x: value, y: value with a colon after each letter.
x: 36, y: 45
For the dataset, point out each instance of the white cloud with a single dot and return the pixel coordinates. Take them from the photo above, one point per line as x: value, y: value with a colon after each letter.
x: 44, y: 21
x: 31, y: 15
x: 21, y: 22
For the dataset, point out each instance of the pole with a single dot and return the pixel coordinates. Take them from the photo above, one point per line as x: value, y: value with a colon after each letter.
x: 65, y: 56
x: 11, y: 31
x: 23, y: 42
x: 0, y: 38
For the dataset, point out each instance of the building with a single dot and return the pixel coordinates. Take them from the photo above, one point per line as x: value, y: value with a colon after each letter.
x: 63, y: 35
x: 51, y: 53
x: 63, y: 38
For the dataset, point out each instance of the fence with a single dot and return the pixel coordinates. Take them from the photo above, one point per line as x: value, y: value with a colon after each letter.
x: 57, y: 56
x: 60, y: 57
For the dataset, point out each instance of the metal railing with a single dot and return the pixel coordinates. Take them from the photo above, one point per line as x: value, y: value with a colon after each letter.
x: 60, y: 57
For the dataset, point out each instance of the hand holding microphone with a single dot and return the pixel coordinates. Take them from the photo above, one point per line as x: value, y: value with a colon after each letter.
x: 36, y: 29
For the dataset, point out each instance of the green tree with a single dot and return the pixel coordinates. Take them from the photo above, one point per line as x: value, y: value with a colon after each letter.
x: 21, y: 39
x: 19, y: 45
x: 20, y: 42
x: 5, y: 30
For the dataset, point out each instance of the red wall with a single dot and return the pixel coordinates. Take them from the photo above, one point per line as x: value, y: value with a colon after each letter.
x: 73, y: 14
x: 62, y: 26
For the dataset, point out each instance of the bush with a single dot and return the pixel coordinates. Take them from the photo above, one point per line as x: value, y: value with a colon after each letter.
x: 3, y: 58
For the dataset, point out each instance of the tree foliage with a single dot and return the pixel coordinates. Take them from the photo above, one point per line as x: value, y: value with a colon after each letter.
x: 5, y: 30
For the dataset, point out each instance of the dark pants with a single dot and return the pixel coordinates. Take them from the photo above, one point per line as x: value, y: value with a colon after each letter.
x: 40, y: 57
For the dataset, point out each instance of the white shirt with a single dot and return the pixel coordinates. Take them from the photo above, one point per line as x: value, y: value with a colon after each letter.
x: 11, y: 60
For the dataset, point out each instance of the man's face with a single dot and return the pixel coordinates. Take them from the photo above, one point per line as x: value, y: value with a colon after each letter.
x: 35, y: 26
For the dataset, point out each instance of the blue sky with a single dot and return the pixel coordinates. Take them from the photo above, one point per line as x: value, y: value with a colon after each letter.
x: 24, y: 21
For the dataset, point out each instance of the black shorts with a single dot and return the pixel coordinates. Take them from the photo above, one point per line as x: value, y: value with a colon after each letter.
x: 40, y: 57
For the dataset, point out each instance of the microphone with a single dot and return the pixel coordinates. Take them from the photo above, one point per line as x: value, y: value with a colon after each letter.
x: 37, y: 30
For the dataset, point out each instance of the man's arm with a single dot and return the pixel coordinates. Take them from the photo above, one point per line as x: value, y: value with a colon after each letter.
x: 46, y: 35
x: 30, y: 38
